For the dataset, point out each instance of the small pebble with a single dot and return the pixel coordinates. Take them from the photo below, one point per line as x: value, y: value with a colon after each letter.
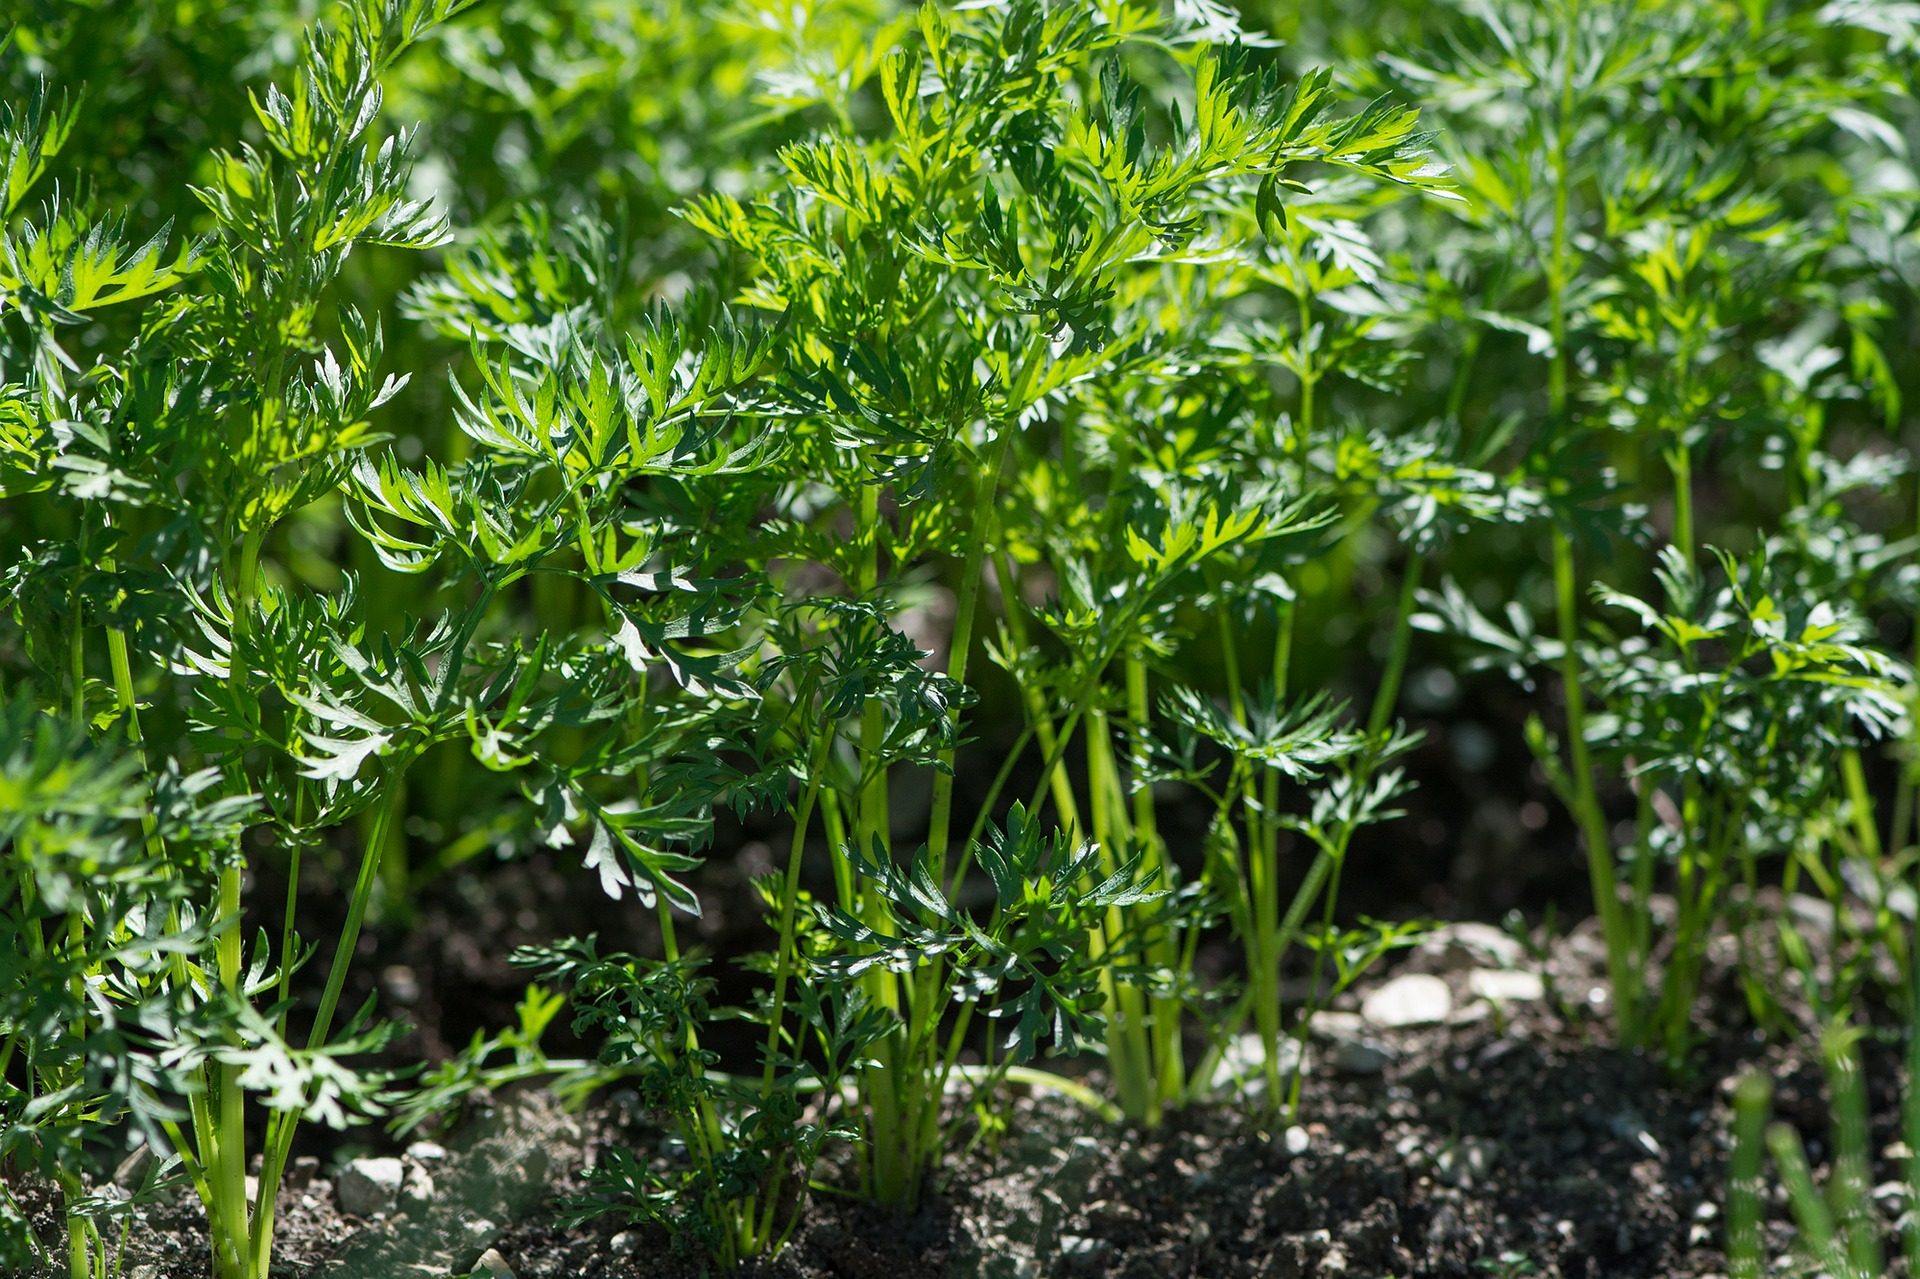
x: 1245, y: 1058
x: 418, y: 1189
x: 1296, y: 1140
x: 492, y: 1266
x: 1469, y: 943
x: 1413, y: 999
x: 367, y: 1187
x: 1328, y: 1024
x: 401, y: 984
x: 1359, y: 1057
x: 133, y: 1169
x: 624, y: 1242
x: 1083, y: 1248
x: 1467, y: 1161
x: 1499, y: 985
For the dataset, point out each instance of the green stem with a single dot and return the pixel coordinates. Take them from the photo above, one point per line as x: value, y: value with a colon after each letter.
x: 978, y: 535
x: 1039, y: 717
x: 789, y: 899
x: 281, y: 1127
x: 1602, y: 874
x: 1680, y: 464
x: 1388, y: 694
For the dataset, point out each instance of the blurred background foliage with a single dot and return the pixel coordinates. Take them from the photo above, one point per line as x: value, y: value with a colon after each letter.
x: 1767, y: 145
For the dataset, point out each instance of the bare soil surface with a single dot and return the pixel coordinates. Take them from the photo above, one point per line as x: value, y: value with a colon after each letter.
x: 1507, y: 1135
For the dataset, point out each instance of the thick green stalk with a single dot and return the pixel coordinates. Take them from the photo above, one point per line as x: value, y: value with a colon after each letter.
x: 227, y: 1161
x: 1127, y: 1051
x: 1169, y: 1067
x: 1261, y: 874
x: 1680, y: 464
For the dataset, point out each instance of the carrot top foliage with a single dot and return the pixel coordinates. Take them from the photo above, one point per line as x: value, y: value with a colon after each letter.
x: 947, y: 436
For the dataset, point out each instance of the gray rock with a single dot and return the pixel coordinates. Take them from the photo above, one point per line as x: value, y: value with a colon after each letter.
x: 1412, y: 999
x: 145, y: 1272
x: 1352, y: 1052
x: 1466, y: 1162
x: 1360, y: 1057
x: 1499, y: 985
x: 133, y: 1169
x: 367, y: 1187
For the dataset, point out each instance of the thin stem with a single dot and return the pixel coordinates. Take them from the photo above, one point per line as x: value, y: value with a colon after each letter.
x: 1602, y: 874
x: 1039, y: 718
x: 972, y: 570
x: 281, y: 1127
x: 1388, y: 694
x: 789, y: 899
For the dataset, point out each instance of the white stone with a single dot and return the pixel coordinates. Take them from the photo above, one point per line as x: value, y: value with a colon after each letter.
x: 1466, y: 944
x: 1296, y: 1140
x: 418, y: 1189
x: 1413, y: 999
x: 1334, y: 1025
x: 426, y: 1152
x: 369, y: 1186
x: 1814, y: 914
x: 492, y: 1265
x: 1084, y: 1247
x: 1245, y: 1059
x: 1500, y: 985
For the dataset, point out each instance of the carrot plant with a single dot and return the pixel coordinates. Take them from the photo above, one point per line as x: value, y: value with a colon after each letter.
x: 158, y: 456
x: 974, y: 352
x: 1689, y: 299
x: 976, y: 443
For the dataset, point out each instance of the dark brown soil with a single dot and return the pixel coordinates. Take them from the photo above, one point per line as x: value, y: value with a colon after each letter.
x: 1489, y: 1144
